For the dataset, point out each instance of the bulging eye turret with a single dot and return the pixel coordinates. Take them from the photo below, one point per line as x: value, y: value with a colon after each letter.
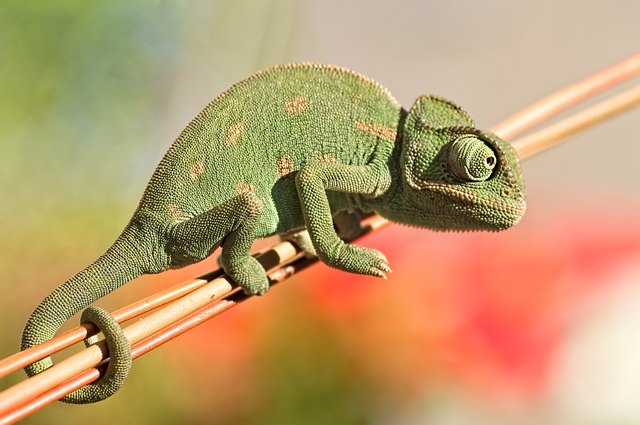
x: 471, y: 159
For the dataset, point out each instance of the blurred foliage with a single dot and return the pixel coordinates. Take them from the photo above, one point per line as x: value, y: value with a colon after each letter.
x: 79, y: 82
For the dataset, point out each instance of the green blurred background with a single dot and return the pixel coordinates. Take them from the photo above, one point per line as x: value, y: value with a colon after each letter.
x: 538, y: 324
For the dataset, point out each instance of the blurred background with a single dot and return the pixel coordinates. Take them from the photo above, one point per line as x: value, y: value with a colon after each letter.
x: 539, y: 324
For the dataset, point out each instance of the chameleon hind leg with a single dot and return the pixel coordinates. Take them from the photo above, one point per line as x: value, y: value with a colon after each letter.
x: 233, y: 225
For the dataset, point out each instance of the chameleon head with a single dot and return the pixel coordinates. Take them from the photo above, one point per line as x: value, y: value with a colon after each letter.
x: 455, y: 176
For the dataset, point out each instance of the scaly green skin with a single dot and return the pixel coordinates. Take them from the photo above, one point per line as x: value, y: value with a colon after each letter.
x: 282, y: 151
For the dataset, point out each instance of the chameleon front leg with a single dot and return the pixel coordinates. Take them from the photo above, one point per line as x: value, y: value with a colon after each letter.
x: 232, y: 224
x: 313, y: 180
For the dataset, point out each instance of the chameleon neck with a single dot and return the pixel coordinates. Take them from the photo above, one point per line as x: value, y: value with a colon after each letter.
x: 384, y: 203
x: 115, y: 267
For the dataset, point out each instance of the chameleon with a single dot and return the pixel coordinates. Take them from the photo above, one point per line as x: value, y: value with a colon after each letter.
x: 282, y: 152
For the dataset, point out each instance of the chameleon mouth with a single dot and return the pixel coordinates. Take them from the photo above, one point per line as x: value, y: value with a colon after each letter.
x: 502, y: 216
x: 515, y: 212
x: 499, y: 214
x: 518, y: 208
x: 510, y: 203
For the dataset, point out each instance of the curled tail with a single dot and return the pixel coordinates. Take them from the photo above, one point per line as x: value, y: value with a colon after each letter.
x: 118, y: 265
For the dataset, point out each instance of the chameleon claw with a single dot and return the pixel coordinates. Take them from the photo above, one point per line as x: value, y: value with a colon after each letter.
x: 385, y: 268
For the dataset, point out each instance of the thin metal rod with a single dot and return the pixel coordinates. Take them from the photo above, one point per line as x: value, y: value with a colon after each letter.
x: 567, y: 97
x: 54, y: 394
x: 554, y: 134
x: 23, y: 358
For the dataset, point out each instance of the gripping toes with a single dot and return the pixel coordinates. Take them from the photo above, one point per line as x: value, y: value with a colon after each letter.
x: 250, y: 276
x: 360, y: 259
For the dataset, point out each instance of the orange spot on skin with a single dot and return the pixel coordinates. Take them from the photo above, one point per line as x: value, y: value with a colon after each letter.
x: 284, y: 165
x: 234, y: 133
x: 377, y: 130
x: 196, y: 170
x: 175, y: 212
x: 296, y: 106
x: 245, y: 187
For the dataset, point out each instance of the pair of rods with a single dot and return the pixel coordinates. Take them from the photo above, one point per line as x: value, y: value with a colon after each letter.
x: 191, y: 303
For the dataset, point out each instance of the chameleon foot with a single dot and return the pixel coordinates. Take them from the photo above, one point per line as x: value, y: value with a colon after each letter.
x: 250, y: 276
x: 359, y: 259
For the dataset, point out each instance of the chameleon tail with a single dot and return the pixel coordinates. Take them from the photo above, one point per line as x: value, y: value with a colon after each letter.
x: 118, y: 265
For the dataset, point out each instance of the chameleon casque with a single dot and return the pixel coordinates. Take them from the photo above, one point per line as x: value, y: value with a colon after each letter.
x: 280, y: 152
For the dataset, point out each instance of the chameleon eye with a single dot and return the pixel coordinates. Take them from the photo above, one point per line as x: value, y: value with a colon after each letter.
x: 471, y: 159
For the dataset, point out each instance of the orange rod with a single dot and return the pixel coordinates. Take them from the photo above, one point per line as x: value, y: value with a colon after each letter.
x: 23, y: 358
x: 562, y: 130
x: 567, y: 97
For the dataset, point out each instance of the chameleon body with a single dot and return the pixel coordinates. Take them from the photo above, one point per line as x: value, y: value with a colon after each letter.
x: 280, y: 152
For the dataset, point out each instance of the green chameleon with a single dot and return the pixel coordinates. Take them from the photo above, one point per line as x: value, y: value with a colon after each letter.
x: 278, y: 152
